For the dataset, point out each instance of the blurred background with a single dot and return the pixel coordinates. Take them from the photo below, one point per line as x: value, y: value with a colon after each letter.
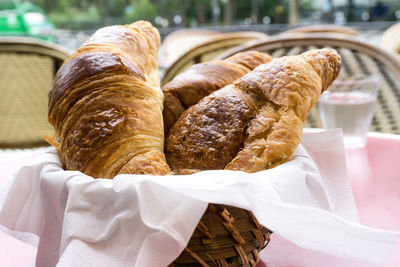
x: 365, y: 33
x: 70, y: 22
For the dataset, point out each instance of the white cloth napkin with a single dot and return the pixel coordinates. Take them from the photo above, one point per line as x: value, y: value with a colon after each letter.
x: 137, y: 220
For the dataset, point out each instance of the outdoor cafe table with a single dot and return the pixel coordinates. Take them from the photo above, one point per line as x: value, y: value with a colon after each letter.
x: 374, y: 172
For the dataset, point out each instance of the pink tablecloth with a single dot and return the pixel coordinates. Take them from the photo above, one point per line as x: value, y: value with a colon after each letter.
x: 374, y: 172
x: 12, y: 251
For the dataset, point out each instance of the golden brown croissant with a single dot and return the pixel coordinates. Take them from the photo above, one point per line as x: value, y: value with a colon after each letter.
x: 106, y: 104
x: 200, y: 80
x: 255, y: 123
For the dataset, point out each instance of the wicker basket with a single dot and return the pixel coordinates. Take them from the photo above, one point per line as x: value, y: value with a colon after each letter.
x: 225, y: 236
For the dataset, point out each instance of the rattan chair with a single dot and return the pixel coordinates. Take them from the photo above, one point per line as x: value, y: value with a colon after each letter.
x: 27, y: 69
x: 323, y: 28
x: 208, y: 50
x: 179, y: 42
x: 359, y: 58
x: 391, y: 38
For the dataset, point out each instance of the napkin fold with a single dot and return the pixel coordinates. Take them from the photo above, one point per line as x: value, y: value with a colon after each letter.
x: 140, y: 220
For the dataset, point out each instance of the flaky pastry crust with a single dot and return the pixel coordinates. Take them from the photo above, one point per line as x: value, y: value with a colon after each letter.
x: 256, y: 123
x: 106, y: 104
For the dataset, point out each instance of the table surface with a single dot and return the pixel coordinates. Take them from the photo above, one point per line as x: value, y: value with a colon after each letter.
x: 374, y: 173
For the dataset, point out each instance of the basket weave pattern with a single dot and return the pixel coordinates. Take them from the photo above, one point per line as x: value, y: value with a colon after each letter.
x: 225, y: 236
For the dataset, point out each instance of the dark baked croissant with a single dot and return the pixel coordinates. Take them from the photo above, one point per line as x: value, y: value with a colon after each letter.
x: 255, y: 123
x: 106, y: 104
x: 200, y: 80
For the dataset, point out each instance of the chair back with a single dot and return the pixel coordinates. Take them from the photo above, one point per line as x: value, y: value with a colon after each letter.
x: 323, y: 28
x: 179, y: 42
x: 27, y: 67
x: 358, y: 57
x: 207, y: 51
x: 391, y: 38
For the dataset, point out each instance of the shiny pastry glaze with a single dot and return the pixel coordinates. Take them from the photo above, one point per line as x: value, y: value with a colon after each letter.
x: 83, y: 67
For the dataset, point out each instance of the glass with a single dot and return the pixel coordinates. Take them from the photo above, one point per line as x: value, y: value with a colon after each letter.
x: 349, y: 104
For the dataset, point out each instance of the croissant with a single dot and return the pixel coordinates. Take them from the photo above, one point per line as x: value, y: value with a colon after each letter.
x: 256, y: 122
x: 106, y: 104
x: 200, y: 80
